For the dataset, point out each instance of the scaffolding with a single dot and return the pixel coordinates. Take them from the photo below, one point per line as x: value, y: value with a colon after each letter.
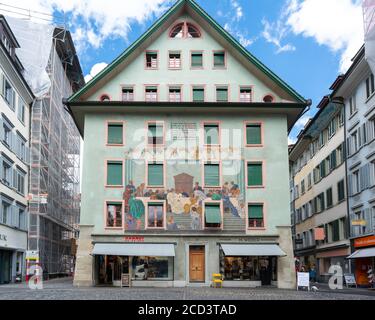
x: 369, y: 30
x: 54, y: 188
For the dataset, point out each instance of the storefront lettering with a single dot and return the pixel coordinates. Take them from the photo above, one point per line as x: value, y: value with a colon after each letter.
x: 134, y: 239
x: 3, y: 237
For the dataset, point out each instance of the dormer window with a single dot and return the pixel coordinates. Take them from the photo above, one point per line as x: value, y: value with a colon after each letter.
x: 185, y: 30
x: 6, y: 42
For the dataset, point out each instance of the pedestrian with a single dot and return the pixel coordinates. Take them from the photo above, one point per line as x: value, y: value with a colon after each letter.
x: 145, y: 268
x: 313, y: 274
x: 303, y: 269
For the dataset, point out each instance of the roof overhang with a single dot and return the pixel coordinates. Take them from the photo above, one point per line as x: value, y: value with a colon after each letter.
x: 79, y: 109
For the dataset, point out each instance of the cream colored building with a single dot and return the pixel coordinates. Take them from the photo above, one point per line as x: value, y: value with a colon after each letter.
x: 319, y: 193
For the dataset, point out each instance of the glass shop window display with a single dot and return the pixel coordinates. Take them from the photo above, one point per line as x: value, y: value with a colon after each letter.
x: 152, y: 268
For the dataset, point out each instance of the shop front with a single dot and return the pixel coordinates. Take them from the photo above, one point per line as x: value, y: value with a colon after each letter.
x: 364, y: 261
x: 144, y: 264
x: 332, y: 257
x: 13, y: 245
x: 249, y: 265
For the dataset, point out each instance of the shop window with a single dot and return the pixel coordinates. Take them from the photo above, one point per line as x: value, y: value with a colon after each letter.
x: 212, y: 215
x: 127, y: 94
x: 211, y: 134
x: 245, y: 94
x: 219, y: 59
x: 222, y: 94
x: 155, y: 175
x: 175, y: 94
x: 212, y: 175
x: 175, y: 60
x: 151, y: 60
x: 114, y: 174
x: 152, y: 268
x: 197, y: 60
x: 155, y: 134
x: 198, y: 94
x: 253, y: 134
x: 155, y: 216
x: 151, y: 94
x: 115, y: 134
x: 114, y: 215
x: 255, y: 216
x: 255, y: 174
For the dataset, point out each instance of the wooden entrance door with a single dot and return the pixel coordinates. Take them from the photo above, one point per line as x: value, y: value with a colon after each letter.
x: 197, y: 264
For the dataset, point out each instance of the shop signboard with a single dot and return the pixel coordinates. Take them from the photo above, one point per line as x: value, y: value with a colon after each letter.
x: 364, y: 242
x: 361, y: 223
x: 125, y: 280
x: 32, y: 255
x: 303, y: 280
x: 350, y: 280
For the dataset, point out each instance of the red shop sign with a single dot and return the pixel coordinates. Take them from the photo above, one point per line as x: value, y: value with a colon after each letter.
x: 134, y: 239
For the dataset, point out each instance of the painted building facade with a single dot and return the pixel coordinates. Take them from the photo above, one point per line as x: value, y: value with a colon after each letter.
x: 16, y: 98
x: 356, y: 89
x: 319, y: 193
x: 185, y: 170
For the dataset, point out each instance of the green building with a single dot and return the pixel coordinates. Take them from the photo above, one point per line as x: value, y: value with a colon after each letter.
x: 185, y: 170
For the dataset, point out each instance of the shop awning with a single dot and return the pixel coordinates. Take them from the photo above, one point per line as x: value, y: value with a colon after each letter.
x: 252, y: 250
x: 134, y: 249
x: 363, y: 253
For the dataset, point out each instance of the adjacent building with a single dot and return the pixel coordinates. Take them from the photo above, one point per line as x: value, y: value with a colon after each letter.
x: 185, y: 169
x: 357, y: 90
x: 53, y: 71
x: 319, y: 191
x: 15, y: 103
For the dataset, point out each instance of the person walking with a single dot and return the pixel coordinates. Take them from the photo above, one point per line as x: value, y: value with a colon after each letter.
x: 312, y: 273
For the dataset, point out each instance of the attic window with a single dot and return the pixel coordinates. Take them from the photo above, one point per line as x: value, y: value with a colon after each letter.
x: 185, y: 30
x: 105, y: 98
x: 192, y: 31
x: 268, y: 99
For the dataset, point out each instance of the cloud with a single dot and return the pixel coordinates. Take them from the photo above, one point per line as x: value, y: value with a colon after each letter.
x: 337, y: 24
x: 292, y: 140
x: 94, y: 21
x: 238, y: 9
x: 95, y: 70
x: 274, y: 33
x: 241, y: 37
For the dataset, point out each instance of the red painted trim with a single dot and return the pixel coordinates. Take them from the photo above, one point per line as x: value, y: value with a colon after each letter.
x: 176, y: 86
x: 168, y: 62
x: 102, y: 96
x: 251, y: 87
x: 208, y: 201
x: 106, y: 173
x: 109, y: 122
x: 263, y: 162
x: 164, y: 214
x: 157, y: 60
x: 225, y: 60
x: 185, y: 24
x: 261, y: 123
x: 264, y: 228
x: 151, y: 85
x: 271, y: 95
x: 122, y: 202
x: 147, y: 130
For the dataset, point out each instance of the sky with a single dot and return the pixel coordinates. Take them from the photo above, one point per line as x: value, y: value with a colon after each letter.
x: 307, y: 43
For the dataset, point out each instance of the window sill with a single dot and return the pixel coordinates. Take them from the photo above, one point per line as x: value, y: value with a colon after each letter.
x: 161, y: 229
x: 115, y: 145
x: 211, y: 187
x: 113, y: 228
x: 174, y: 69
x: 257, y: 229
x: 196, y: 68
x: 155, y: 187
x: 113, y: 187
x: 370, y: 97
x: 256, y: 187
x: 219, y: 68
x: 353, y: 115
x: 254, y: 146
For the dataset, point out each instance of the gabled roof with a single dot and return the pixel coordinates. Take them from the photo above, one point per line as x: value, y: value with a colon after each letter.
x: 179, y: 5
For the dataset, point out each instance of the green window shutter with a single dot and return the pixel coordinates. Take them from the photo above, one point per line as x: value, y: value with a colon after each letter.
x: 155, y: 134
x: 196, y: 60
x: 219, y: 59
x: 254, y: 174
x: 255, y: 211
x: 211, y: 133
x: 222, y: 94
x: 198, y: 95
x: 155, y: 175
x: 253, y: 134
x: 115, y: 134
x: 336, y: 230
x: 212, y: 214
x: 211, y: 175
x: 114, y: 174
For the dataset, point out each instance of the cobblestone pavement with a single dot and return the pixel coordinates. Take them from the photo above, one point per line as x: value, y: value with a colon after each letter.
x: 63, y: 289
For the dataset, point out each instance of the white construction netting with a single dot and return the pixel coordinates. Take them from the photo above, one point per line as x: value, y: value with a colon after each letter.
x: 369, y: 25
